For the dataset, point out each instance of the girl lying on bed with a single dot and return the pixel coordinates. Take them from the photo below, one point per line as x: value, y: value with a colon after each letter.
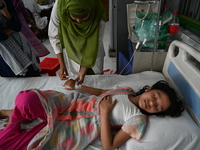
x: 73, y: 120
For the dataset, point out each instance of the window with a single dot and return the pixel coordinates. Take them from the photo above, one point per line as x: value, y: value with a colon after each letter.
x: 190, y: 8
x: 189, y: 15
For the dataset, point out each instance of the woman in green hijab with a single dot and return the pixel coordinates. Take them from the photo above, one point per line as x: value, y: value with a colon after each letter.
x: 76, y: 31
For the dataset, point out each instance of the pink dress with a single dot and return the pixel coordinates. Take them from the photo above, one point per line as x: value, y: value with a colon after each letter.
x: 27, y: 107
x: 70, y: 121
x: 27, y: 32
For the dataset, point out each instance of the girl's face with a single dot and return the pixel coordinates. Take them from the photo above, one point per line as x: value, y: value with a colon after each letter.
x: 79, y: 20
x: 154, y: 101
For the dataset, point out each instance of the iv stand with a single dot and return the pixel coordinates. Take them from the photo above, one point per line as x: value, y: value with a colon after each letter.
x: 156, y: 36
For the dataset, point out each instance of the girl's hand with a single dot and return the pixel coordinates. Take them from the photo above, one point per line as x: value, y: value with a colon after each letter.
x: 81, y: 75
x: 6, y: 121
x: 70, y: 84
x: 107, y: 105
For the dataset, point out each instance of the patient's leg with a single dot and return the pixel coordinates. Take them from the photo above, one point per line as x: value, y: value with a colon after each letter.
x: 5, y: 113
x: 27, y: 107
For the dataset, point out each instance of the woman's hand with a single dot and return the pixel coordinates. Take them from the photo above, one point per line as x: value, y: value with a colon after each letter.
x: 81, y: 75
x: 62, y: 73
x: 107, y: 105
x: 32, y: 23
x: 69, y: 84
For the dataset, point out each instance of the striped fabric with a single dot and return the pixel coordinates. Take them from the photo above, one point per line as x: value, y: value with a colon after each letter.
x: 70, y: 127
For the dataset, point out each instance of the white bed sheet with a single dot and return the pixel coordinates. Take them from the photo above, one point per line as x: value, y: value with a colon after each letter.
x: 10, y: 87
x: 161, y: 134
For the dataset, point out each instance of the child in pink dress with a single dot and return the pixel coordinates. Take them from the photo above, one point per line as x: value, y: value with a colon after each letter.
x: 75, y: 119
x: 27, y: 107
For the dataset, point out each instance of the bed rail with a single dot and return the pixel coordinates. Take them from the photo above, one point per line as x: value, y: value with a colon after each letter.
x: 182, y: 71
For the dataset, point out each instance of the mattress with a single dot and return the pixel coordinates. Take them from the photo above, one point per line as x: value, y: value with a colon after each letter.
x: 161, y: 133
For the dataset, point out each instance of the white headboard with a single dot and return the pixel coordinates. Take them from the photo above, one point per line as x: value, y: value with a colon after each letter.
x: 182, y: 71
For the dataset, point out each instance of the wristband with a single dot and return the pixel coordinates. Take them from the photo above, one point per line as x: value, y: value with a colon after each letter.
x: 77, y: 87
x: 2, y: 7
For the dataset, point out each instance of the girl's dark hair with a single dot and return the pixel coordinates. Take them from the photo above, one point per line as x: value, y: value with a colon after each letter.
x: 176, y: 107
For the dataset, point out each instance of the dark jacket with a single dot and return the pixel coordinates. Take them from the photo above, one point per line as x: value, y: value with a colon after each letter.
x: 13, y: 23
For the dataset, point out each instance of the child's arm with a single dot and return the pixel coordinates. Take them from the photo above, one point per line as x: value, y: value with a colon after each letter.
x: 110, y: 141
x: 71, y: 85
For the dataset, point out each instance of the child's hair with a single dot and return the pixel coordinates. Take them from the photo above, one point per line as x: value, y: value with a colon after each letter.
x: 176, y: 107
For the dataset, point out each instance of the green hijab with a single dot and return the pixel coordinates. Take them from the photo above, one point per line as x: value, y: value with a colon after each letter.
x: 80, y: 39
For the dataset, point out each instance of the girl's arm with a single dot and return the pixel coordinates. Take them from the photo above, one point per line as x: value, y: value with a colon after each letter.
x: 110, y: 141
x: 71, y: 85
x: 92, y: 91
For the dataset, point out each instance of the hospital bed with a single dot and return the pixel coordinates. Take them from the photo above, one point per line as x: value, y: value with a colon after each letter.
x: 181, y: 70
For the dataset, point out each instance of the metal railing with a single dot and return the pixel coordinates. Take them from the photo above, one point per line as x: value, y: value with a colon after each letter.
x: 190, y: 8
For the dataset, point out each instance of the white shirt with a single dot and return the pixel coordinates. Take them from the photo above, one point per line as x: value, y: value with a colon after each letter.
x: 123, y: 110
x: 72, y: 67
x: 35, y: 9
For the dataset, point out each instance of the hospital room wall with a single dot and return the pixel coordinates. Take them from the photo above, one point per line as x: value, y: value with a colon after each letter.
x: 173, y: 4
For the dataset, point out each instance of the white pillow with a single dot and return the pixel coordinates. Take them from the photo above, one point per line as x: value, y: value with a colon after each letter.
x: 168, y: 134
